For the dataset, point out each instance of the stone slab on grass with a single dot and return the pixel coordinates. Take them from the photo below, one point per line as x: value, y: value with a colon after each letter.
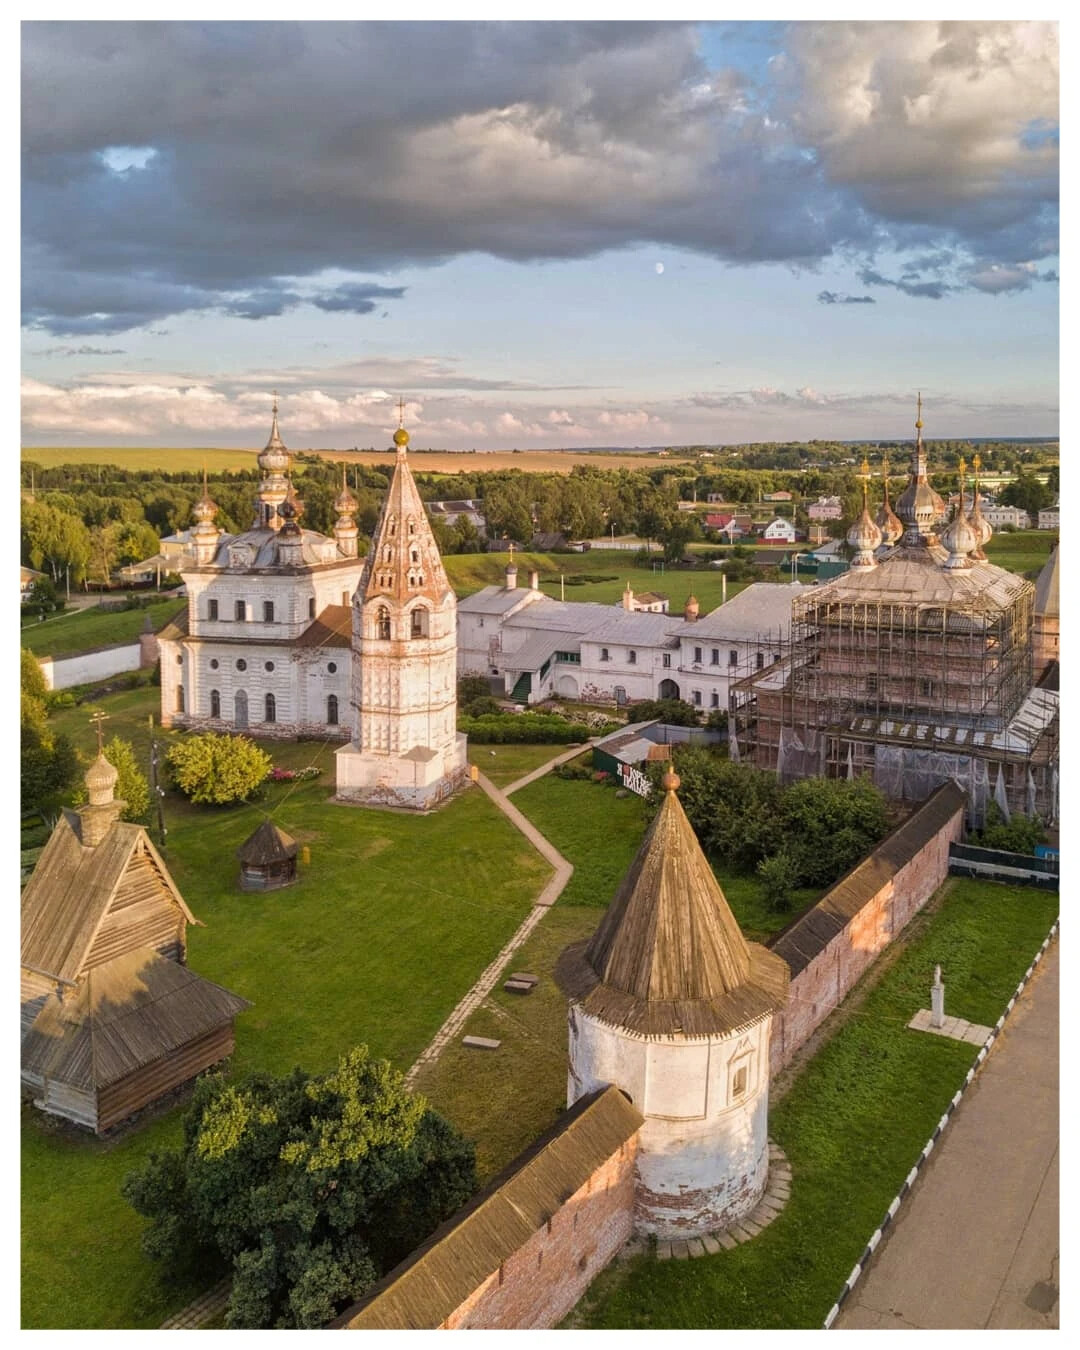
x: 480, y: 1043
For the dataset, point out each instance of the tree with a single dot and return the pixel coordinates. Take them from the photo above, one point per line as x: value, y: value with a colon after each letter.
x: 779, y: 877
x: 47, y: 762
x: 1026, y: 492
x: 675, y: 711
x: 1019, y: 835
x: 309, y: 1187
x: 217, y: 769
x: 830, y: 824
x: 131, y: 785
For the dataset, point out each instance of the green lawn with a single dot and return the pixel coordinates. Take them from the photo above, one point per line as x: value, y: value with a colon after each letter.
x: 852, y: 1125
x: 504, y: 764
x: 80, y: 630
x: 1023, y: 550
x: 391, y: 922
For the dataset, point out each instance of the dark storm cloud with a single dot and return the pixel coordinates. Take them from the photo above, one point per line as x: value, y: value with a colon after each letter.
x: 357, y: 299
x: 836, y: 298
x: 285, y: 150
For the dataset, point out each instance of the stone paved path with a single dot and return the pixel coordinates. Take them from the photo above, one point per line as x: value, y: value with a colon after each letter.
x: 976, y: 1244
x: 550, y: 764
x: 201, y: 1310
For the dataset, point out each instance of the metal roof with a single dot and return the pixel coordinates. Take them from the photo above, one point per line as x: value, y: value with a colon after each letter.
x: 331, y: 627
x: 535, y: 650
x: 437, y: 1278
x: 580, y: 616
x: 764, y: 607
x: 496, y: 600
x: 640, y: 629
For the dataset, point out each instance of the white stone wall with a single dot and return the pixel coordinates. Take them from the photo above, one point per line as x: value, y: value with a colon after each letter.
x: 703, y: 1154
x: 297, y: 598
x: 640, y: 678
x: 63, y: 672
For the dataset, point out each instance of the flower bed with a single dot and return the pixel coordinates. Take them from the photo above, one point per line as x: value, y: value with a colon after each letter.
x: 279, y: 775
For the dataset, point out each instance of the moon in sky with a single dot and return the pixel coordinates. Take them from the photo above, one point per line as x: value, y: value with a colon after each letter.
x: 659, y: 269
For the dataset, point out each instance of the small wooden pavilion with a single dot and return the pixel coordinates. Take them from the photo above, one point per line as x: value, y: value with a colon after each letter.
x: 267, y: 859
x: 112, y: 1019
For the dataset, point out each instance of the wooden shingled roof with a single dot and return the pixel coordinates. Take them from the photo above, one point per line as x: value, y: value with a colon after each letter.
x: 269, y: 844
x: 808, y: 935
x: 668, y: 955
x: 67, y: 897
x: 423, y: 1291
x: 125, y: 1014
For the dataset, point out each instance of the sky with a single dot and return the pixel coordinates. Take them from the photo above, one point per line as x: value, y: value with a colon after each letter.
x: 538, y: 234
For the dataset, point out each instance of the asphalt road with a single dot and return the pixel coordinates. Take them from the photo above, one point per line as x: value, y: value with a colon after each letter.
x: 976, y: 1243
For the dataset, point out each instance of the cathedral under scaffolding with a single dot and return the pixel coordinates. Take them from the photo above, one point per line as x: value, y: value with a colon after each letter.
x: 915, y: 667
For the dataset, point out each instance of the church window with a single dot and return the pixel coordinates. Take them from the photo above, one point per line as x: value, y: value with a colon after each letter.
x: 733, y: 657
x: 241, y: 664
x: 697, y: 656
x: 331, y: 710
x: 180, y: 698
x: 632, y: 658
x: 211, y: 609
x: 382, y: 624
x: 419, y: 623
x: 215, y: 703
x: 412, y: 526
x: 420, y: 579
x: 926, y: 688
x: 760, y: 660
x: 604, y: 654
x: 269, y: 665
x: 391, y: 527
x: 667, y: 660
x: 311, y: 607
x: 213, y: 663
x: 179, y: 660
x: 268, y: 611
x: 240, y: 611
x: 714, y: 656
x: 388, y: 554
x: 697, y: 698
x: 332, y: 667
x: 415, y: 555
x: 271, y: 708
x: 715, y: 699
x: 738, y: 1083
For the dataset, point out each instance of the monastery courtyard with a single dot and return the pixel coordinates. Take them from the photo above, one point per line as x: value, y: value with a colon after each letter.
x: 394, y: 919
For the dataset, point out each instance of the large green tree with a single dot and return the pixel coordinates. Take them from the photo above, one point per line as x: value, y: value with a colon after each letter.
x: 309, y: 1187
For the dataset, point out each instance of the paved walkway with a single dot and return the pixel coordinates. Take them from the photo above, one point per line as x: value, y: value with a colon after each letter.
x: 976, y: 1244
x: 547, y: 897
x: 550, y: 764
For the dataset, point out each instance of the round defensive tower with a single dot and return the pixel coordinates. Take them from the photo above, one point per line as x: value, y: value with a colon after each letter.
x: 669, y: 1002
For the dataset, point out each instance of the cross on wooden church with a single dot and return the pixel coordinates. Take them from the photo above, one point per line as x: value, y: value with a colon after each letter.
x: 98, y: 719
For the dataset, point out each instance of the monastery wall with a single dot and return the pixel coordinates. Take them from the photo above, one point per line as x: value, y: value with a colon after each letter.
x: 537, y: 1286
x: 101, y: 663
x: 864, y: 911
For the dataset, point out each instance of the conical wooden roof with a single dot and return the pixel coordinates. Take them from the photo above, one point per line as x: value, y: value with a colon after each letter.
x: 403, y: 561
x: 669, y: 955
x: 269, y: 844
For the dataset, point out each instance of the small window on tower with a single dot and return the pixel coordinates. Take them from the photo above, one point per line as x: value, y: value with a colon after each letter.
x: 382, y: 624
x: 738, y: 1083
x: 311, y: 607
x: 211, y: 609
x: 415, y: 555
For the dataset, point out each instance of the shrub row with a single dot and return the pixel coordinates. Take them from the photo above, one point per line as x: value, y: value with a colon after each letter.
x: 522, y: 729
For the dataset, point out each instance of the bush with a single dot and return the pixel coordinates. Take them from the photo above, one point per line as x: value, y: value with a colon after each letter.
x: 523, y: 729
x: 831, y: 823
x: 675, y: 711
x: 309, y: 1187
x: 217, y: 769
x: 1020, y: 835
x: 779, y: 877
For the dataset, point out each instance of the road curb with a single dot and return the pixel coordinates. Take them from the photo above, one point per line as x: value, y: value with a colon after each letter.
x: 912, y: 1176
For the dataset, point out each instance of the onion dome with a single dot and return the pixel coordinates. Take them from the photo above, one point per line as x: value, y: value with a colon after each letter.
x: 691, y: 609
x: 864, y: 536
x: 887, y: 521
x: 288, y: 511
x: 291, y: 499
x: 100, y: 779
x: 205, y: 509
x: 919, y: 507
x: 960, y: 536
x: 275, y: 458
x: 345, y: 503
x: 401, y: 436
x: 979, y: 523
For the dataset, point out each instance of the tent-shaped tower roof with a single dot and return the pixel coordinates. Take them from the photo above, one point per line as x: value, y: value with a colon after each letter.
x: 668, y: 955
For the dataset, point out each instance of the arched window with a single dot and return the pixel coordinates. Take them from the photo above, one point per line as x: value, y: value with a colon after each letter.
x: 240, y: 704
x: 382, y: 624
x: 412, y: 526
x: 271, y: 708
x: 418, y: 622
x: 331, y: 710
x: 215, y: 703
x: 391, y: 527
x: 179, y: 698
x: 415, y: 555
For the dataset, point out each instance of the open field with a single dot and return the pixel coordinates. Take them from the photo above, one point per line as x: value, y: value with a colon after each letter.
x: 390, y: 923
x: 606, y: 572
x: 80, y: 630
x: 1023, y: 550
x: 852, y: 1124
x: 422, y: 461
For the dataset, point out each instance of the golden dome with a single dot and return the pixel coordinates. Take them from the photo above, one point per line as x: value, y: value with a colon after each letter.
x: 671, y: 780
x: 401, y: 437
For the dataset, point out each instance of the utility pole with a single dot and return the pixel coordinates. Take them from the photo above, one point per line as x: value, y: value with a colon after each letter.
x: 157, y: 791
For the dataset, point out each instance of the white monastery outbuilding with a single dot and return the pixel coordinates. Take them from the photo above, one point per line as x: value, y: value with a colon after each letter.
x: 669, y: 1002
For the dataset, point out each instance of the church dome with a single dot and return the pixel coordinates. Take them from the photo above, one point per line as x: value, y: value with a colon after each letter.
x: 887, y: 521
x: 345, y: 503
x: 275, y: 458
x: 401, y: 437
x: 960, y: 539
x: 100, y: 780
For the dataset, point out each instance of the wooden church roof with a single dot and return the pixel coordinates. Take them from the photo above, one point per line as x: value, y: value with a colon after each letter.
x: 124, y: 1015
x: 269, y: 844
x: 668, y: 955
x: 73, y: 887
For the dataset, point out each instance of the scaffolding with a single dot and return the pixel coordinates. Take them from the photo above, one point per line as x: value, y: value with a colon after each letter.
x: 913, y: 676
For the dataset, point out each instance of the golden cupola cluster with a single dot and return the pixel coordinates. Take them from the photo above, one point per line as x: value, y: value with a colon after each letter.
x: 864, y: 536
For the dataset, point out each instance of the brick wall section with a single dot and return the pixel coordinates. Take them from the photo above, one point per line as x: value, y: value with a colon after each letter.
x: 831, y: 946
x: 545, y: 1278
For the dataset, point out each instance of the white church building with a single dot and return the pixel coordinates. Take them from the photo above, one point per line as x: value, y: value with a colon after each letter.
x: 265, y: 642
